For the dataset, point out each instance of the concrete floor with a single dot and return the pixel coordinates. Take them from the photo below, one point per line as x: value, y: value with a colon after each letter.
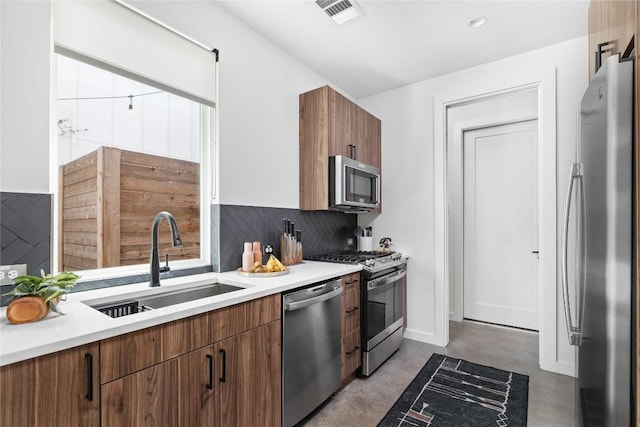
x: 364, y: 402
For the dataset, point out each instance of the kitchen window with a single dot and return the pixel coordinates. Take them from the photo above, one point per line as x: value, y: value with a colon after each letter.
x: 134, y: 111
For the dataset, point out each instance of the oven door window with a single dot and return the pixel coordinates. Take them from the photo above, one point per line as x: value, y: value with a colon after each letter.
x: 384, y: 307
x: 360, y: 187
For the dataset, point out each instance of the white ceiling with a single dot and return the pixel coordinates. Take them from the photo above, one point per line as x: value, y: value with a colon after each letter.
x: 401, y: 42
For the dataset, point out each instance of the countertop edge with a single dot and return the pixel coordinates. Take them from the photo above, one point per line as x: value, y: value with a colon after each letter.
x: 52, y: 334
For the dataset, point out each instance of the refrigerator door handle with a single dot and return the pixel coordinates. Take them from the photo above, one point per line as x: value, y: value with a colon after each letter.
x: 573, y: 332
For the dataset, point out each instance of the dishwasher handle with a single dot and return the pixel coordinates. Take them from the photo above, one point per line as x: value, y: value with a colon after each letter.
x: 292, y: 306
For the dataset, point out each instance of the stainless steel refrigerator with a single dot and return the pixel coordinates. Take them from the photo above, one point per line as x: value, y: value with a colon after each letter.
x: 597, y: 270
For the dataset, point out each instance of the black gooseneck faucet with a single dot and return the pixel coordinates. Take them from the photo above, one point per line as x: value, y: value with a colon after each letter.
x: 154, y: 266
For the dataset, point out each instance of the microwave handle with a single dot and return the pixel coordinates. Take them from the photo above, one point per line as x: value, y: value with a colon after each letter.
x: 352, y: 151
x: 378, y: 191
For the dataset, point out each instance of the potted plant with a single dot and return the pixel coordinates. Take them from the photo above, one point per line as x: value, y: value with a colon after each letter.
x: 33, y: 297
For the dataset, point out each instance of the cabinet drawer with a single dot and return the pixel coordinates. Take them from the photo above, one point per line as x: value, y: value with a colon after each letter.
x: 350, y: 279
x: 351, y: 353
x: 128, y: 353
x: 350, y: 308
x: 229, y: 321
x: 184, y: 335
x: 132, y: 352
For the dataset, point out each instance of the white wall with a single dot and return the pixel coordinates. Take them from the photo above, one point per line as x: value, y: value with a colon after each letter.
x: 258, y: 103
x: 408, y: 160
x: 24, y: 96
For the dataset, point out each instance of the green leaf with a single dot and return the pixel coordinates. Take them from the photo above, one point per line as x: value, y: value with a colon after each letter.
x: 48, y: 286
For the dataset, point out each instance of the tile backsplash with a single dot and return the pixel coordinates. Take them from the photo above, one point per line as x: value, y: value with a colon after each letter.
x: 25, y: 232
x: 26, y: 227
x: 322, y: 231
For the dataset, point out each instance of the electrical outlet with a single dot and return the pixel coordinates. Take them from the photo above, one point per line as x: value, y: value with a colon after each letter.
x: 10, y: 272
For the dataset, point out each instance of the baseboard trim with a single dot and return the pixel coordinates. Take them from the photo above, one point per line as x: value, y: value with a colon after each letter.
x: 563, y: 368
x: 425, y: 337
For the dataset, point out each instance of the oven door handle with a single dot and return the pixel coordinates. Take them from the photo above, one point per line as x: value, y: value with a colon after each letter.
x: 377, y: 283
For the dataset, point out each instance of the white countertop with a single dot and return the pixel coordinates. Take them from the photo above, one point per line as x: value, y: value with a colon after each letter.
x: 82, y: 324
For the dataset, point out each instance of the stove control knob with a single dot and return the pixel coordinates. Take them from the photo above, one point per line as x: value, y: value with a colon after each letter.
x: 396, y: 256
x: 369, y: 263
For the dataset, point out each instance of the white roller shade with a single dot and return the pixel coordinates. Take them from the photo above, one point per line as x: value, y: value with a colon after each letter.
x: 110, y: 35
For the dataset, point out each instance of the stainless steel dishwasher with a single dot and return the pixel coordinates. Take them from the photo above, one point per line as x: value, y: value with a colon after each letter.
x: 310, y: 349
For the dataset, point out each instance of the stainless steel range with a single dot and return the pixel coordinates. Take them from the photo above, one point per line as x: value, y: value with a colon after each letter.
x: 383, y: 282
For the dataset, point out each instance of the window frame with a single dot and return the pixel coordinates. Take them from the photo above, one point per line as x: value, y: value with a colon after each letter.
x: 208, y: 185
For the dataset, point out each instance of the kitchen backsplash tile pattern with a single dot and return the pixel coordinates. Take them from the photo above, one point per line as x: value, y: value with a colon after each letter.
x: 25, y: 230
x: 25, y: 221
x: 322, y: 231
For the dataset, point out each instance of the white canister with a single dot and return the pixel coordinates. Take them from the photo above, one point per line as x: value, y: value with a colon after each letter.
x: 365, y: 243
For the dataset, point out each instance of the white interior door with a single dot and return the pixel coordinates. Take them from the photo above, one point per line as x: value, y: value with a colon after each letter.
x: 501, y: 224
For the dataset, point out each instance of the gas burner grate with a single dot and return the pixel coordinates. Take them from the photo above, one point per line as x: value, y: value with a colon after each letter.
x: 348, y: 257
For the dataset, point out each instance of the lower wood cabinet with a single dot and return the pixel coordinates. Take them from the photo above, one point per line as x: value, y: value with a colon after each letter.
x: 350, y: 359
x: 249, y: 386
x: 197, y: 384
x: 221, y: 368
x: 60, y: 389
x: 146, y: 398
x: 235, y: 382
x: 351, y: 354
x: 179, y: 392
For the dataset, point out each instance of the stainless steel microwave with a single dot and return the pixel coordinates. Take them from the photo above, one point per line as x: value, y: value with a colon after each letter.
x: 353, y: 186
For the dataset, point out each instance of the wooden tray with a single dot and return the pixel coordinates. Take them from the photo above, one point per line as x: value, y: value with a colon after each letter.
x: 270, y: 274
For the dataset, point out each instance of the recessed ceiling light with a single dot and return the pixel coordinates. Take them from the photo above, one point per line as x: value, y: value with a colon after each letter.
x: 478, y: 22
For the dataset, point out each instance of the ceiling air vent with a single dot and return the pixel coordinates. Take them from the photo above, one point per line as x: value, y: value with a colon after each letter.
x: 340, y: 11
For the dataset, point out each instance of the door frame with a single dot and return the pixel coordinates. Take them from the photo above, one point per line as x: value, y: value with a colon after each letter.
x: 543, y: 80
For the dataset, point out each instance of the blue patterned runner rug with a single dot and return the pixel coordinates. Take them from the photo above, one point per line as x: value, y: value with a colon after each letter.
x: 454, y: 392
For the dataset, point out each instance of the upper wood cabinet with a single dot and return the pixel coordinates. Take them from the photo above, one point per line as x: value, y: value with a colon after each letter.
x: 332, y: 125
x: 612, y: 25
x: 371, y: 140
x: 59, y: 389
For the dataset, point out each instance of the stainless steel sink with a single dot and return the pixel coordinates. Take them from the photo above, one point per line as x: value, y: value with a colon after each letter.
x: 143, y: 302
